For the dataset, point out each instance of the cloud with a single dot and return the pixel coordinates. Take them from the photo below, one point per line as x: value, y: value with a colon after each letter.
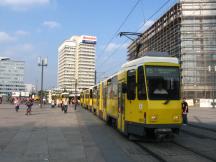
x: 114, y: 46
x: 23, y: 4
x: 51, y: 24
x: 6, y: 38
x: 20, y: 50
x: 21, y: 33
x: 146, y: 25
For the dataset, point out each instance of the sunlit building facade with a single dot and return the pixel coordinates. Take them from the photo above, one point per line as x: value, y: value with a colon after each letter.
x: 76, y: 63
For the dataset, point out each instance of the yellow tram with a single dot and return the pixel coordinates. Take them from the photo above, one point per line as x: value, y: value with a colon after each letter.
x: 143, y: 98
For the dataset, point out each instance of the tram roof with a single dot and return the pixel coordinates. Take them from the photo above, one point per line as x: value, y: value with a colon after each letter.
x: 147, y: 59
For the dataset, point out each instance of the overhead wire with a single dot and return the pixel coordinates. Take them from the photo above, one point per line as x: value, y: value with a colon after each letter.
x: 117, y: 31
x: 109, y: 56
x: 137, y: 30
x: 163, y: 5
x: 142, y: 10
x: 158, y: 10
x: 112, y: 66
x: 116, y: 50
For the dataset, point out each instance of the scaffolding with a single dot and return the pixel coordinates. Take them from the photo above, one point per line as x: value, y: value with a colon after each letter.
x: 187, y: 31
x: 163, y: 35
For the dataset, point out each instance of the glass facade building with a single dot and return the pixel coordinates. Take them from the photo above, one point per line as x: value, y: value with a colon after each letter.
x: 187, y: 31
x: 11, y: 76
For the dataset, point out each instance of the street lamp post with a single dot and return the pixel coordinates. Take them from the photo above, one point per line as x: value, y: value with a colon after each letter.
x: 195, y: 93
x: 213, y: 70
x: 42, y: 63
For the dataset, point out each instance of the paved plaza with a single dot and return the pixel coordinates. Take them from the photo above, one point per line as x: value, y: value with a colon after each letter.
x: 49, y: 135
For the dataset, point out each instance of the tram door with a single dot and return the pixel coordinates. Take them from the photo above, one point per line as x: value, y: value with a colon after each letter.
x: 121, y: 106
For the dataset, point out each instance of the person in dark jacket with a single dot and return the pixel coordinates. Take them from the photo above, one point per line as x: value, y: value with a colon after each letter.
x: 184, y: 111
x: 62, y: 105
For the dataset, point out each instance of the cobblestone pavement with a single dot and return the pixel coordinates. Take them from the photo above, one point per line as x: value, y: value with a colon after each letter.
x: 49, y: 135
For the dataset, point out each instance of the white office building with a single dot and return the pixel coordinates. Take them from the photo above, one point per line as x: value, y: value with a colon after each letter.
x: 11, y: 76
x: 76, y: 63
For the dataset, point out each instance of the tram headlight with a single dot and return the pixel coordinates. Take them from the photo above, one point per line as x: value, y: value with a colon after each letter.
x: 176, y: 118
x: 153, y: 117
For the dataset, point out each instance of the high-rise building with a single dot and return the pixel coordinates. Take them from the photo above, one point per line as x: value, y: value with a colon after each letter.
x: 76, y: 63
x: 11, y: 76
x: 187, y: 31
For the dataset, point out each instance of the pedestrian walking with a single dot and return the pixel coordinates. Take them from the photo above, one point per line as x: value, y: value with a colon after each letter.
x: 62, y: 105
x: 184, y: 111
x: 29, y: 104
x: 75, y: 103
x: 65, y: 105
x: 52, y: 103
x: 17, y: 104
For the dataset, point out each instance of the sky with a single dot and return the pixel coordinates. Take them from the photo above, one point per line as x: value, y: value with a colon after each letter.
x: 35, y: 28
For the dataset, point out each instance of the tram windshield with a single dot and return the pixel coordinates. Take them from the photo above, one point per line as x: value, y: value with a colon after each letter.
x: 163, y: 82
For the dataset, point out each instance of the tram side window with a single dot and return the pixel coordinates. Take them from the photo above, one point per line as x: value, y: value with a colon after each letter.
x: 114, y: 87
x: 141, y: 89
x: 90, y: 93
x: 94, y: 93
x: 104, y: 94
x: 131, y: 84
x: 98, y: 95
x: 87, y: 96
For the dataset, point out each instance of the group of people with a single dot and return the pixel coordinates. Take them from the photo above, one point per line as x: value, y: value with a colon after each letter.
x: 65, y: 102
x: 29, y: 103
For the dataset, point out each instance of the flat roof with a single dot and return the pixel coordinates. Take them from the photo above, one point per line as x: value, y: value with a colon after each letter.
x: 147, y: 59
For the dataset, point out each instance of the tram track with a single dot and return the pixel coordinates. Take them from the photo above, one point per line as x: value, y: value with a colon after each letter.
x: 202, y: 127
x: 150, y: 148
x: 152, y: 153
x: 194, y: 151
x: 200, y: 132
x: 200, y: 136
